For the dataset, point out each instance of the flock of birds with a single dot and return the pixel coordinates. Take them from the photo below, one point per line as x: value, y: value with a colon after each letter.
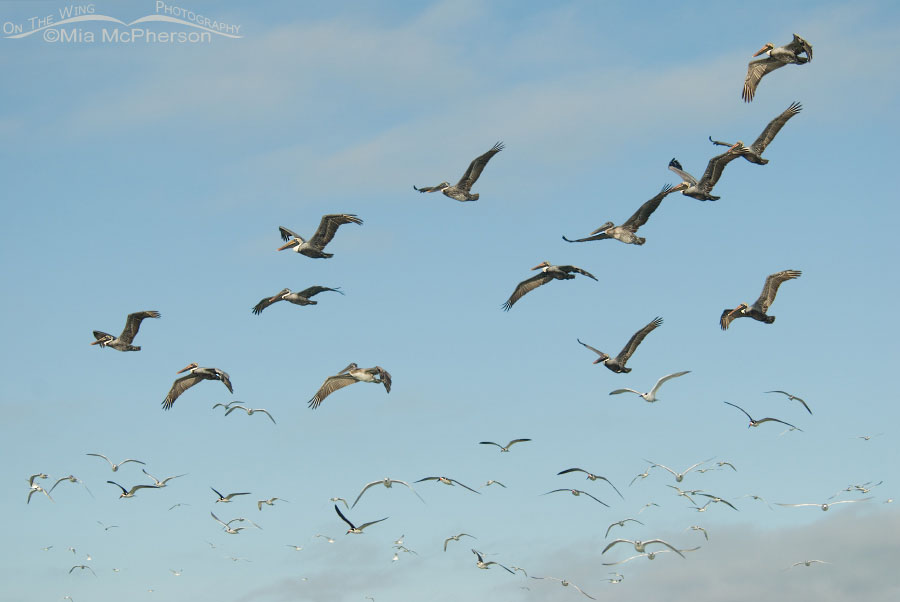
x: 798, y: 52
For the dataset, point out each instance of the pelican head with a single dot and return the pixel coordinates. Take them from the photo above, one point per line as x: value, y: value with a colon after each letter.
x: 190, y: 366
x: 294, y: 242
x: 680, y: 187
x: 769, y: 46
x: 739, y: 309
x: 102, y: 341
x: 543, y: 264
x: 443, y: 185
x: 603, y: 228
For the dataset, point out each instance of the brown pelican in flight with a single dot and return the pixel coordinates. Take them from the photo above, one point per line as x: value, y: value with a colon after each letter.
x: 353, y: 528
x: 123, y: 341
x: 626, y: 232
x: 548, y: 273
x: 195, y: 375
x: 755, y: 151
x: 702, y: 189
x: 324, y: 233
x: 761, y: 420
x: 775, y: 58
x: 461, y: 192
x: 298, y: 298
x: 349, y: 375
x: 758, y: 310
x: 617, y: 364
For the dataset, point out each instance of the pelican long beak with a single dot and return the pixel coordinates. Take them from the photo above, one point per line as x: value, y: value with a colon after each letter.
x: 764, y: 48
x: 289, y: 244
x: 186, y: 368
x: 97, y: 342
x: 541, y: 265
x: 737, y: 309
x: 681, y: 186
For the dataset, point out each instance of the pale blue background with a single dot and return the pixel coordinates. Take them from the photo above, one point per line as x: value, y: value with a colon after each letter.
x: 154, y: 177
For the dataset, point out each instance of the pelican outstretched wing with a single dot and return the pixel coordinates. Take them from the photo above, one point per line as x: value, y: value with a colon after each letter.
x: 568, y: 269
x: 526, y: 286
x: 99, y: 334
x: 774, y: 127
x: 602, y: 356
x: 133, y: 322
x: 636, y: 339
x: 773, y: 281
x: 798, y: 45
x: 264, y: 303
x: 223, y: 376
x: 178, y: 387
x: 329, y: 225
x: 385, y: 377
x: 476, y: 167
x: 730, y: 315
x: 331, y: 384
x: 675, y: 166
x: 287, y: 235
x: 315, y: 290
x: 755, y: 72
x: 644, y: 212
x: 716, y: 166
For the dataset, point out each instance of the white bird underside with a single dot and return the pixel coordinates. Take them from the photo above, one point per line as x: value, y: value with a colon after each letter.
x: 650, y: 396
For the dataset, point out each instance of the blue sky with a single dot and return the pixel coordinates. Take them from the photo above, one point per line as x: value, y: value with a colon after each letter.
x: 148, y: 176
